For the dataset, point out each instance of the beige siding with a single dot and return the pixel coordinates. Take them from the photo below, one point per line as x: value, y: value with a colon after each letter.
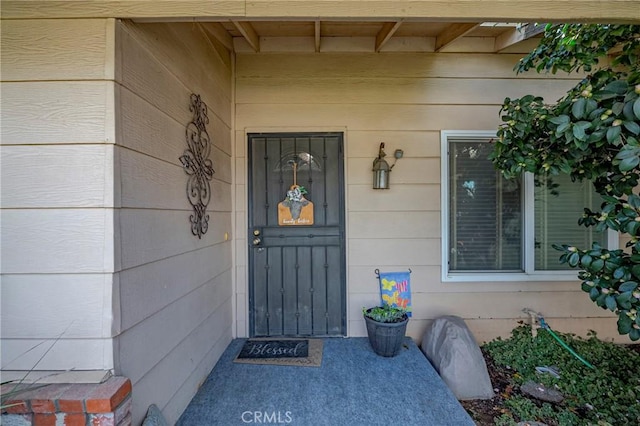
x: 499, y: 10
x: 57, y: 194
x: 404, y: 100
x: 58, y: 112
x: 176, y: 297
x: 46, y: 50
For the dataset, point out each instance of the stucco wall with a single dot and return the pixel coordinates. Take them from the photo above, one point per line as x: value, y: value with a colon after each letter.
x: 175, y: 290
x: 405, y: 100
x: 57, y: 197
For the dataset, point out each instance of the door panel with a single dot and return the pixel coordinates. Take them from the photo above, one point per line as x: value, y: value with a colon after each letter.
x: 296, y: 272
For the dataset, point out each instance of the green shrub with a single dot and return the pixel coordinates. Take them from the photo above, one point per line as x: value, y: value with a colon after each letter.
x: 608, y: 394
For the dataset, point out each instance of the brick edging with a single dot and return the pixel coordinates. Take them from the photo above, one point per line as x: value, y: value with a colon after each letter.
x: 82, y: 404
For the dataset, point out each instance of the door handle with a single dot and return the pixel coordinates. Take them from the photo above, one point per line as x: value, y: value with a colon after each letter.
x: 256, y: 241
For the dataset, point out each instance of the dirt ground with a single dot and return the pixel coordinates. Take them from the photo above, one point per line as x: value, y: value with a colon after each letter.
x: 483, y: 411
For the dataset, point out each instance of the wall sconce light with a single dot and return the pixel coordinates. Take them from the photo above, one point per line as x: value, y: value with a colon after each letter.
x: 381, y: 168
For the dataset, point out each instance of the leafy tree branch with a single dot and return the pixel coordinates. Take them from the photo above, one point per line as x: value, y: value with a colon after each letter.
x: 593, y: 132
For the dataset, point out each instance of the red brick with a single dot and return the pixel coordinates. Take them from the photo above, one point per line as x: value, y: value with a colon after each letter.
x: 41, y: 419
x: 72, y: 399
x: 108, y: 395
x: 73, y: 419
x: 70, y: 406
x: 43, y: 399
x: 43, y: 406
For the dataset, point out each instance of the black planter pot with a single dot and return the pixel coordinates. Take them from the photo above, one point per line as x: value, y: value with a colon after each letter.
x: 386, y: 337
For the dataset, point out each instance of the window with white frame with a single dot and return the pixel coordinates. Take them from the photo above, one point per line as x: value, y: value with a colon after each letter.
x: 498, y: 229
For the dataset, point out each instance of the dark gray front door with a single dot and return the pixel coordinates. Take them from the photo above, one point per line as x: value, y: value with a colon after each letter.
x: 296, y: 272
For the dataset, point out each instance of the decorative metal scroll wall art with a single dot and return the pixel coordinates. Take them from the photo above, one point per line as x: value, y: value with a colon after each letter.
x: 198, y: 166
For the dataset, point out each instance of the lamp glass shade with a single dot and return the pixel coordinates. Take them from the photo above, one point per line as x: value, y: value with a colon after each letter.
x: 381, y: 172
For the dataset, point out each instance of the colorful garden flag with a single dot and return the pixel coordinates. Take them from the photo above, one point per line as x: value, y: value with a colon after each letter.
x: 395, y: 289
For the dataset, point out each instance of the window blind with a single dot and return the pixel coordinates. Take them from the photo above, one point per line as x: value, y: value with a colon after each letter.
x: 485, y: 211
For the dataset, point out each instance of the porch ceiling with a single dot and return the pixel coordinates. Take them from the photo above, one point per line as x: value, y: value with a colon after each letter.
x: 385, y: 35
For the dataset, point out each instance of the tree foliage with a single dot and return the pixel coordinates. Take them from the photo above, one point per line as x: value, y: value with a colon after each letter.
x: 593, y: 133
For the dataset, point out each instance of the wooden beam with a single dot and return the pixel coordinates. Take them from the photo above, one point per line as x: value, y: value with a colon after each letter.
x: 516, y: 35
x: 217, y: 31
x: 452, y: 33
x: 249, y: 34
x: 317, y: 35
x: 385, y: 34
x: 221, y: 41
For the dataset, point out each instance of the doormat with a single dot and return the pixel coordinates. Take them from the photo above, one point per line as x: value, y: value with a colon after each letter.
x: 294, y: 352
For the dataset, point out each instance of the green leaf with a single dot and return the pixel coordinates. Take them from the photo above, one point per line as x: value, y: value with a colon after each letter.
x: 578, y: 133
x: 625, y: 325
x: 628, y: 112
x: 586, y: 261
x: 627, y: 152
x: 634, y: 334
x: 613, y: 133
x: 619, y: 86
x: 619, y: 273
x: 562, y: 128
x: 636, y: 108
x: 591, y: 107
x: 578, y: 108
x: 617, y: 108
x: 610, y: 302
x: 628, y: 164
x: 561, y: 119
x: 624, y: 300
x: 597, y: 265
x: 634, y: 201
x: 573, y: 259
x: 632, y: 227
x: 632, y: 126
x: 628, y: 286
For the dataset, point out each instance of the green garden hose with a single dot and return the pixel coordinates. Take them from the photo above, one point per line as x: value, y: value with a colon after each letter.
x: 544, y: 325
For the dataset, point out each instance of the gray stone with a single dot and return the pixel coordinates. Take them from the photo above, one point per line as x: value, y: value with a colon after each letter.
x: 154, y: 417
x: 452, y: 350
x: 541, y: 392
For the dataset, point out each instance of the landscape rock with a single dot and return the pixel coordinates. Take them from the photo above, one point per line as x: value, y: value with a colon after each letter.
x: 452, y: 350
x: 154, y: 417
x: 541, y: 392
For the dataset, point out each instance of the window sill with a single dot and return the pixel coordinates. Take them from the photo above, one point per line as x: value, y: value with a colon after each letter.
x: 543, y: 276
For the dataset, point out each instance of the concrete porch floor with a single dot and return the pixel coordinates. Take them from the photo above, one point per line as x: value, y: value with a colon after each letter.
x: 353, y: 386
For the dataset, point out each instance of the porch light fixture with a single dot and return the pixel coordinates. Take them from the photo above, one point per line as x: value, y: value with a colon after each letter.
x: 381, y: 168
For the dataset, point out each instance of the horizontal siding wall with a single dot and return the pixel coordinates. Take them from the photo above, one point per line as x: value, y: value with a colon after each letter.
x: 404, y: 100
x: 57, y: 194
x: 176, y: 291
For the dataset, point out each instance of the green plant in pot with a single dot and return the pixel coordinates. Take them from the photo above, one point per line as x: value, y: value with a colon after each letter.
x: 386, y: 328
